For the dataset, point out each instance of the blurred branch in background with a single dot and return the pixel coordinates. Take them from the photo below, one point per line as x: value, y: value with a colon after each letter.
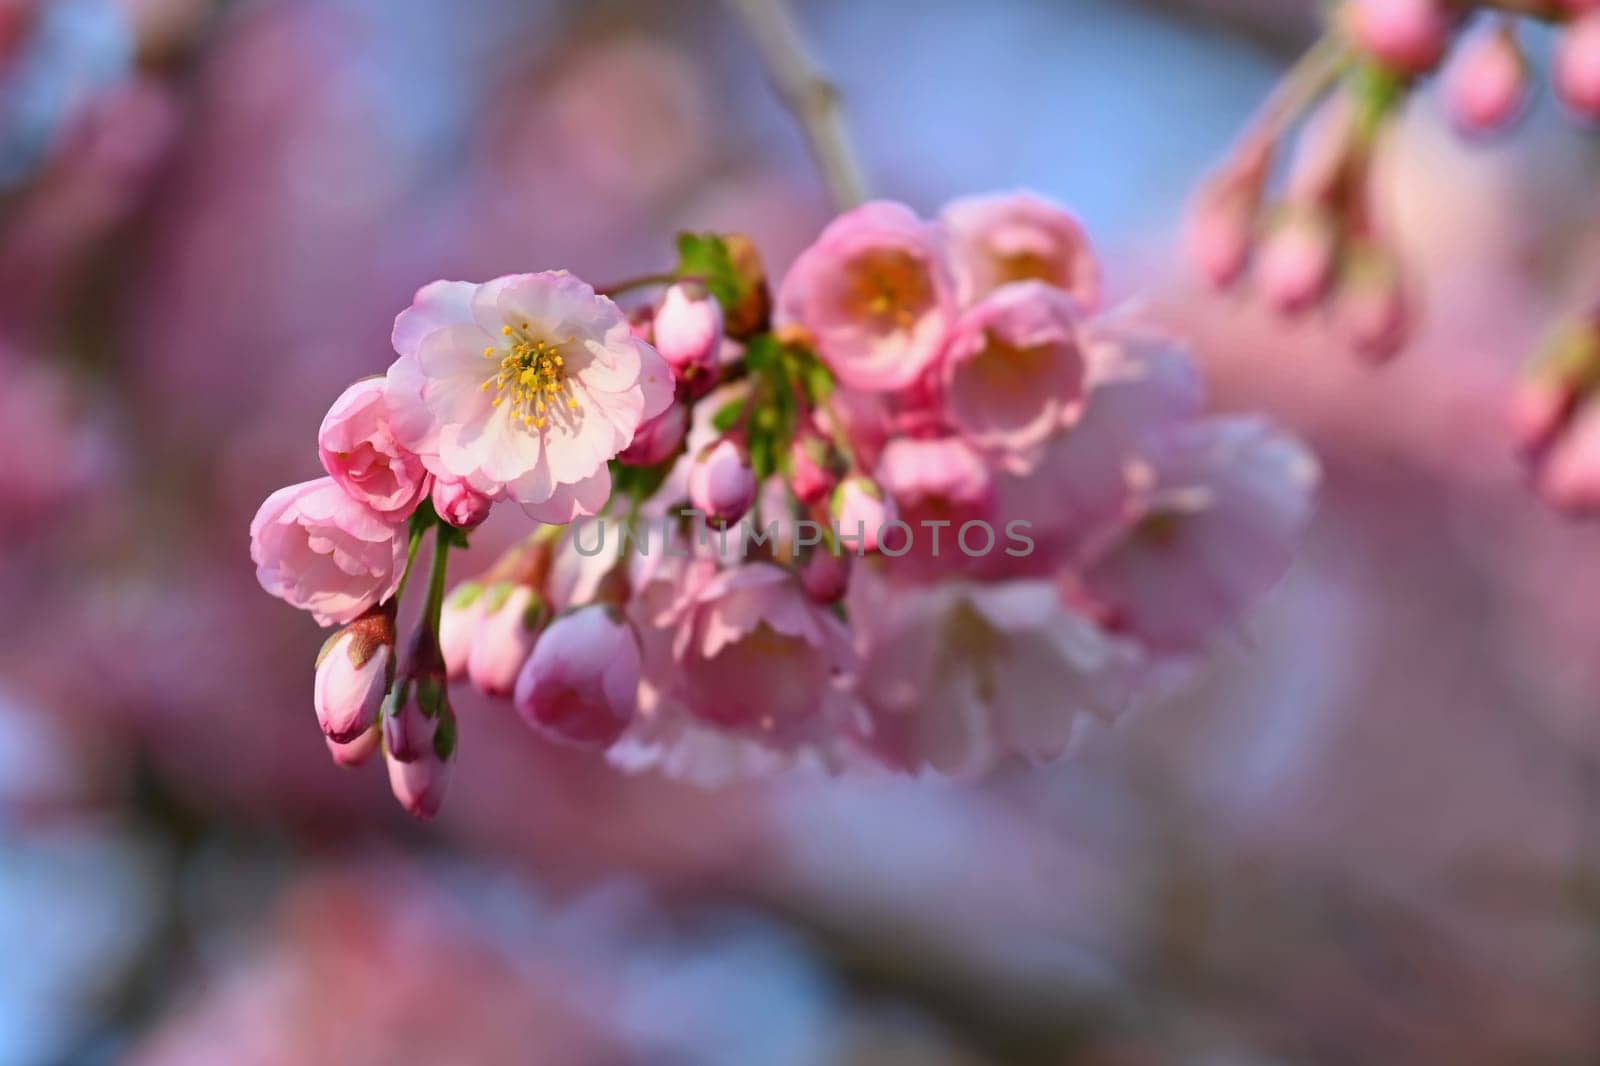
x: 811, y: 97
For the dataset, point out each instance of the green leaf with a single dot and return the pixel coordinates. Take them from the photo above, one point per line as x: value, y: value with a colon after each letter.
x: 705, y: 256
x: 727, y: 416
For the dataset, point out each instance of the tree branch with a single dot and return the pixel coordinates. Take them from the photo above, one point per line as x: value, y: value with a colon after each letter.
x: 812, y: 99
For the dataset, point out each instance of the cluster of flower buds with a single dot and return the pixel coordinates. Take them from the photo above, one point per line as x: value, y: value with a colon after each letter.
x: 924, y: 508
x: 1313, y: 239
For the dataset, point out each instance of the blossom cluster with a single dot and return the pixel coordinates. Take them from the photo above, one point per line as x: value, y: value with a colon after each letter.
x: 1318, y: 242
x: 909, y: 378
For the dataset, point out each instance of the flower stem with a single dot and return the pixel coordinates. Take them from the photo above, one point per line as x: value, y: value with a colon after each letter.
x: 411, y: 558
x: 810, y: 97
x: 436, y: 578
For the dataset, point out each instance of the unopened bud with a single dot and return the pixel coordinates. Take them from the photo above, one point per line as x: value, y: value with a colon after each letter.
x: 353, y: 672
x: 1577, y: 73
x: 357, y: 751
x: 458, y: 625
x: 688, y: 329
x: 721, y: 482
x: 824, y: 576
x: 581, y: 684
x: 1372, y: 309
x: 1487, y: 84
x: 861, y: 511
x: 1408, y: 36
x: 811, y: 476
x: 656, y: 440
x: 419, y: 785
x: 510, y: 623
x: 1297, y: 259
x: 459, y: 503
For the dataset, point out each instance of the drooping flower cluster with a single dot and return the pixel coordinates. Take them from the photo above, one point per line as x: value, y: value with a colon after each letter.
x: 924, y: 509
x: 1318, y: 242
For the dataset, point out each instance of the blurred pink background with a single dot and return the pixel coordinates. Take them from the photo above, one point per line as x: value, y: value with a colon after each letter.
x: 1368, y: 831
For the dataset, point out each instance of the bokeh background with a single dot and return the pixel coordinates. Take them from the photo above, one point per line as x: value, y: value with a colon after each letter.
x: 1368, y: 831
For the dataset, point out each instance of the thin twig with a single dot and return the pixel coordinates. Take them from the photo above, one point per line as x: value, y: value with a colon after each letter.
x: 813, y: 99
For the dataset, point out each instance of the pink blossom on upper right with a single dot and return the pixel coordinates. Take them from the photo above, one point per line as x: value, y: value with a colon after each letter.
x: 876, y: 294
x: 1004, y: 238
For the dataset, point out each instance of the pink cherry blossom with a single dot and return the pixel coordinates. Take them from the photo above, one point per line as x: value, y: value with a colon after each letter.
x: 1009, y: 237
x: 1569, y: 476
x: 317, y: 549
x: 809, y: 475
x: 524, y: 387
x: 352, y: 677
x: 356, y: 752
x: 1487, y: 84
x: 1407, y: 35
x: 1577, y: 68
x: 937, y: 486
x: 419, y: 785
x: 959, y: 676
x: 507, y: 628
x: 753, y: 653
x: 360, y: 452
x: 581, y: 684
x: 688, y: 329
x: 721, y: 483
x: 875, y: 293
x: 459, y: 503
x: 1217, y: 509
x: 458, y: 626
x: 861, y: 512
x: 657, y: 438
x: 1013, y: 370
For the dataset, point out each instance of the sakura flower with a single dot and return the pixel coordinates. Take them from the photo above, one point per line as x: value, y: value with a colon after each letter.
x: 937, y: 486
x: 1019, y: 237
x: 721, y: 483
x: 1217, y: 509
x: 875, y: 294
x: 359, y: 451
x: 581, y: 684
x: 862, y: 513
x: 317, y: 549
x: 753, y: 653
x: 459, y: 503
x: 524, y: 387
x: 688, y: 329
x: 958, y: 676
x: 1013, y: 370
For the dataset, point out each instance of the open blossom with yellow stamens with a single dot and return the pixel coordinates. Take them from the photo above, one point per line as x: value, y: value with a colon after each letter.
x: 876, y: 295
x: 524, y: 388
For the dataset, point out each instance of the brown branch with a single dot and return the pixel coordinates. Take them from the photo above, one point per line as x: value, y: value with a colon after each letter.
x: 812, y: 99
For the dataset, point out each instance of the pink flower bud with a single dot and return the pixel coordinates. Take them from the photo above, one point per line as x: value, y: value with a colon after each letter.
x: 1373, y: 310
x: 1541, y: 408
x: 458, y: 625
x: 721, y: 482
x: 656, y: 440
x: 824, y: 576
x: 1577, y: 73
x: 1219, y: 231
x: 861, y: 511
x: 353, y: 672
x: 357, y: 751
x: 411, y: 716
x: 1296, y: 263
x: 1570, y: 475
x: 512, y: 618
x: 688, y: 329
x: 1409, y: 36
x: 1487, y: 84
x: 581, y: 684
x: 810, y: 478
x: 459, y: 503
x: 419, y: 785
